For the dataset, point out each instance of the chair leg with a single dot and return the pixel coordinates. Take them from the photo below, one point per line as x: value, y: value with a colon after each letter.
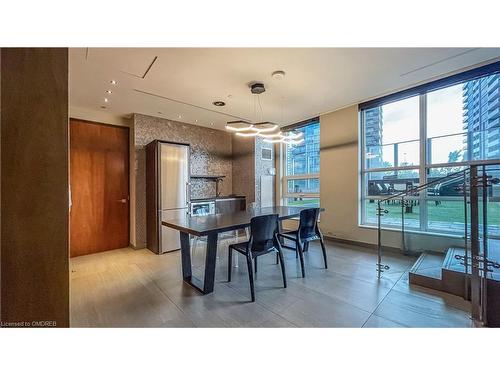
x: 282, y: 263
x: 250, y: 277
x: 297, y: 249
x: 301, y: 256
x: 277, y: 258
x: 306, y: 246
x: 324, y: 251
x: 229, y: 264
x: 255, y: 262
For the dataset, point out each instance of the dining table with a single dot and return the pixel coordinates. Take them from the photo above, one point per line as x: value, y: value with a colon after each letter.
x: 210, y: 226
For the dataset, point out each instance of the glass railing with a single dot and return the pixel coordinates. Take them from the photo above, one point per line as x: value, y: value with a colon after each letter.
x: 438, y: 205
x: 464, y: 202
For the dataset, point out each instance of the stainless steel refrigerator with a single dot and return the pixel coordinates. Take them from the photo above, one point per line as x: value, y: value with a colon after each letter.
x: 167, y: 192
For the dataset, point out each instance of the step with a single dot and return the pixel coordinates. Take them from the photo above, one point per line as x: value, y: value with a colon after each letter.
x: 446, y: 273
x: 441, y: 272
x: 452, y: 264
x: 427, y: 270
x: 454, y: 273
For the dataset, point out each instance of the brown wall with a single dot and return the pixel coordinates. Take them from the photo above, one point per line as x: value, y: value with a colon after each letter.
x: 244, y: 167
x: 211, y: 154
x: 34, y: 185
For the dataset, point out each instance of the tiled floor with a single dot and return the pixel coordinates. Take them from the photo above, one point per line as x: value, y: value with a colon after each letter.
x: 136, y: 288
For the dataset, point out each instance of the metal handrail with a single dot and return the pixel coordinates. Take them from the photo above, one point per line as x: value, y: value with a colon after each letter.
x: 440, y: 179
x: 422, y: 187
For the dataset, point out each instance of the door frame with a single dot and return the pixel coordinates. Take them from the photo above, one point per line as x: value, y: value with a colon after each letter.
x: 127, y: 128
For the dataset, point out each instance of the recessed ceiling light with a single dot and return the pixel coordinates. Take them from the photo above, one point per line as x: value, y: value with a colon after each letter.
x: 109, y: 92
x: 179, y: 116
x: 113, y: 82
x: 195, y: 120
x: 219, y: 103
x: 106, y: 100
x: 278, y: 74
x: 212, y: 123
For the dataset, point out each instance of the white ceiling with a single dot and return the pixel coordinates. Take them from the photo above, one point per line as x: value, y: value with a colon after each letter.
x: 185, y: 81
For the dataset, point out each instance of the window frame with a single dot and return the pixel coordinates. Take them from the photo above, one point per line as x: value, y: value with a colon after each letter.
x: 285, y: 178
x: 424, y: 166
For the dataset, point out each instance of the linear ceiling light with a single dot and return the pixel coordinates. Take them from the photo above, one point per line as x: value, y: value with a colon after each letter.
x: 248, y: 133
x: 266, y: 126
x: 237, y: 126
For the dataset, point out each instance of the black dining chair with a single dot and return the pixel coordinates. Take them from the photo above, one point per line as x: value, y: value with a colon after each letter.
x: 263, y: 240
x: 307, y: 231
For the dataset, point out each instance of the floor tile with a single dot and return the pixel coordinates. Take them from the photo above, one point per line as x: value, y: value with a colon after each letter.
x: 137, y: 288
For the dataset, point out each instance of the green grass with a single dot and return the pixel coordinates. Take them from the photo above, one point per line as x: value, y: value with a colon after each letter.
x: 304, y: 202
x: 447, y: 212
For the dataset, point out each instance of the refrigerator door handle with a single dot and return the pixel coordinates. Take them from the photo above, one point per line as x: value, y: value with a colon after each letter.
x: 188, y: 194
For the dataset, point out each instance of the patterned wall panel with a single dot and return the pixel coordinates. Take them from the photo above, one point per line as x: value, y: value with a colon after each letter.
x: 211, y: 154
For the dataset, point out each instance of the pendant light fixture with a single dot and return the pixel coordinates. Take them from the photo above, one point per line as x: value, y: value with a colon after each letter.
x: 293, y: 141
x: 294, y: 138
x: 274, y: 140
x: 294, y: 135
x: 252, y: 132
x: 267, y: 130
x: 238, y: 125
x: 265, y: 126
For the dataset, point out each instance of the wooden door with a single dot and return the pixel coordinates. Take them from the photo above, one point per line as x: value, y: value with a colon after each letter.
x: 99, y: 184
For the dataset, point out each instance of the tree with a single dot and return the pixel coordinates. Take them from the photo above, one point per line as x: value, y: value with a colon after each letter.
x: 454, y: 156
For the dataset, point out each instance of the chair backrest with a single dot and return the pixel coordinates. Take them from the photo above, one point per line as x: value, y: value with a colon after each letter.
x: 308, y: 222
x: 262, y: 232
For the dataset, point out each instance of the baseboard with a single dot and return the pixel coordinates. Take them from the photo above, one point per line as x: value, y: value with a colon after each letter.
x: 367, y: 245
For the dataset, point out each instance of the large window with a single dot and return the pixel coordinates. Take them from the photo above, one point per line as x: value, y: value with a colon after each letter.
x: 419, y: 138
x: 301, y: 169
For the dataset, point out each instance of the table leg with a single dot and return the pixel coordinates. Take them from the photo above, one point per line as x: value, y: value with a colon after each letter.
x: 210, y: 261
x: 207, y: 286
x: 185, y: 256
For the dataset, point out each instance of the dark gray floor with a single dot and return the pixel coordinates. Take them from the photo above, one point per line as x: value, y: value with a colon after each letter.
x: 136, y: 288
